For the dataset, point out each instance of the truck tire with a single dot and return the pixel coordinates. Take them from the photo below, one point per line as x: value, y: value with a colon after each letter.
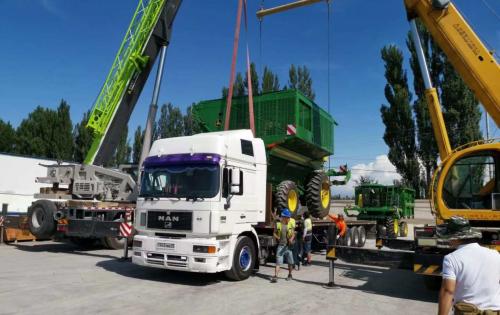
x: 114, y: 242
x: 347, y: 238
x: 354, y: 236
x: 287, y: 196
x: 392, y: 227
x: 243, y: 259
x: 41, y: 219
x: 362, y: 236
x: 318, y: 195
x: 403, y: 229
x: 83, y: 242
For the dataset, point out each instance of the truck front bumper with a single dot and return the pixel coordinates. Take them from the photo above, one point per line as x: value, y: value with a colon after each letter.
x: 179, y: 254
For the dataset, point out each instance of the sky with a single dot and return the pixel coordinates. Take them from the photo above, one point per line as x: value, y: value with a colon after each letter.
x: 63, y: 49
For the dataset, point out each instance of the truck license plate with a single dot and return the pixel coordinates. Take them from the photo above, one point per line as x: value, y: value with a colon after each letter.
x: 165, y: 246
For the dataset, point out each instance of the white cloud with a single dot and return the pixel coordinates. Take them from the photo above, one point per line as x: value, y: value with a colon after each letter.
x: 381, y: 170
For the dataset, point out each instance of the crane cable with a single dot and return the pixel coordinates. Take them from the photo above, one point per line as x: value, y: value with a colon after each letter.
x: 242, y: 6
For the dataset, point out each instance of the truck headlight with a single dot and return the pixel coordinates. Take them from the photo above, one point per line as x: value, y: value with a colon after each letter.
x: 204, y: 249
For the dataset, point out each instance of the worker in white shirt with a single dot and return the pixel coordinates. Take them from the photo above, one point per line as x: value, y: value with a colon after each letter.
x: 471, y: 274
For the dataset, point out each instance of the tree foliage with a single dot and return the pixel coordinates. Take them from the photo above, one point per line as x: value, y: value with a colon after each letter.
x: 83, y: 139
x: 7, y: 137
x: 365, y: 179
x: 397, y: 116
x: 137, y: 146
x: 170, y: 122
x: 270, y: 81
x: 300, y: 78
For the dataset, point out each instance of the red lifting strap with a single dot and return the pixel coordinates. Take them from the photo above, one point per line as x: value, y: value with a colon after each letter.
x: 241, y: 4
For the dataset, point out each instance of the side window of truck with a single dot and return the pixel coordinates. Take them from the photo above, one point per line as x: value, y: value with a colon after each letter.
x: 246, y: 147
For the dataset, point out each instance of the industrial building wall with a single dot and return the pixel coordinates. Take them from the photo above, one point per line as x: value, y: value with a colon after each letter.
x: 17, y: 181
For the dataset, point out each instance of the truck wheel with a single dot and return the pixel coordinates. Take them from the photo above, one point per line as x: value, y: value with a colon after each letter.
x: 318, y: 195
x: 41, y: 219
x: 348, y: 238
x: 392, y: 227
x: 83, y: 242
x: 114, y: 242
x: 362, y: 236
x: 287, y: 196
x: 243, y: 259
x: 355, y: 237
x: 403, y: 229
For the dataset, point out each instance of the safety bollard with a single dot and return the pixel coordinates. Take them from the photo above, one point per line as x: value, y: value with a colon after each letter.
x: 330, y: 255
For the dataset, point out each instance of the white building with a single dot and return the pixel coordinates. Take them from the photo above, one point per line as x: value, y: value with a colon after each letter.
x: 17, y: 181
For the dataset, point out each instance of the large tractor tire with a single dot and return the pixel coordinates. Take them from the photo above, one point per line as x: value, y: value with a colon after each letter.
x: 318, y: 195
x: 287, y: 196
x: 41, y: 219
x: 243, y: 259
x: 392, y: 227
x: 403, y: 229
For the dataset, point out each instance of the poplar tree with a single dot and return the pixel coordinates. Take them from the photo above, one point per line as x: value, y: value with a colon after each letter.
x: 82, y: 138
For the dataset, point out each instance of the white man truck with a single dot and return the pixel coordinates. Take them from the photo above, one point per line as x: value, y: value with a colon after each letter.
x: 201, y: 199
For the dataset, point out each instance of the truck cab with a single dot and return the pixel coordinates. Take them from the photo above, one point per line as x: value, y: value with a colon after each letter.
x: 199, y: 199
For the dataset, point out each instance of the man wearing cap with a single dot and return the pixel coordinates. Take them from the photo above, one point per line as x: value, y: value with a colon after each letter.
x: 471, y: 274
x: 284, y: 233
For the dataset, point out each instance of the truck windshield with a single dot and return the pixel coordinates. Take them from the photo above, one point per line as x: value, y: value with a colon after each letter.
x: 181, y: 181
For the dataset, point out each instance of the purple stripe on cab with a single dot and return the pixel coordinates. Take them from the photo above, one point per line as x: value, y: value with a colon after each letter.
x: 184, y: 158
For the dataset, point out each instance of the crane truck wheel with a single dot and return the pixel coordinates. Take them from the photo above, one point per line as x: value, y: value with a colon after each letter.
x: 287, y: 196
x: 41, y: 219
x: 243, y: 259
x: 318, y: 195
x: 403, y: 229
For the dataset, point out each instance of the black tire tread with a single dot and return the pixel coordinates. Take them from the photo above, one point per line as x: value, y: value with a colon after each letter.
x: 389, y: 225
x: 281, y: 195
x: 48, y: 227
x: 313, y: 195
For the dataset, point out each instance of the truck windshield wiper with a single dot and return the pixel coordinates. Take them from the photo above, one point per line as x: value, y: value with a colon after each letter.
x: 195, y: 198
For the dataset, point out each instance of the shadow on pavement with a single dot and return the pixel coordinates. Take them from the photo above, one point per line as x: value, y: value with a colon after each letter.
x: 60, y: 248
x: 127, y: 269
x: 396, y: 283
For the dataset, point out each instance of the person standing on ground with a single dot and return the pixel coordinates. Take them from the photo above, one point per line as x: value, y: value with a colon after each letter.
x: 284, y: 233
x: 298, y: 244
x: 471, y: 274
x: 307, y: 238
x: 340, y: 223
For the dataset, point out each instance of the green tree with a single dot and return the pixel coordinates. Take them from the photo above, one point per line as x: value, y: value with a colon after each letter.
x: 239, y: 86
x: 62, y: 133
x: 46, y: 133
x: 137, y: 146
x: 300, y: 79
x: 461, y: 109
x: 270, y: 81
x: 191, y: 126
x: 255, y: 81
x: 362, y: 180
x: 170, y: 122
x: 82, y: 139
x: 123, y: 150
x: 397, y: 116
x: 427, y: 147
x: 7, y: 137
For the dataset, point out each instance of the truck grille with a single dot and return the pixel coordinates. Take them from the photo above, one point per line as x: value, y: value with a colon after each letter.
x: 170, y: 220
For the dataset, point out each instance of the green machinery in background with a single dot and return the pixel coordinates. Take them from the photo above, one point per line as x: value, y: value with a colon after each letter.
x: 298, y: 135
x: 388, y: 205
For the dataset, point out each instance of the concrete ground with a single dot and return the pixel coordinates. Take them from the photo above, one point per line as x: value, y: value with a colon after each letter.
x: 58, y: 278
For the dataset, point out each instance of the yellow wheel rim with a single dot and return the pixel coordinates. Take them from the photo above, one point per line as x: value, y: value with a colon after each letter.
x: 293, y: 200
x: 325, y: 195
x: 396, y: 227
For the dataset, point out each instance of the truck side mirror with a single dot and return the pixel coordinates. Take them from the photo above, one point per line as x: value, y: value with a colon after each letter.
x: 236, y: 182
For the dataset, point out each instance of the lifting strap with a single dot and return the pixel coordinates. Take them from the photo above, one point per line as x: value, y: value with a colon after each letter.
x: 241, y: 4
